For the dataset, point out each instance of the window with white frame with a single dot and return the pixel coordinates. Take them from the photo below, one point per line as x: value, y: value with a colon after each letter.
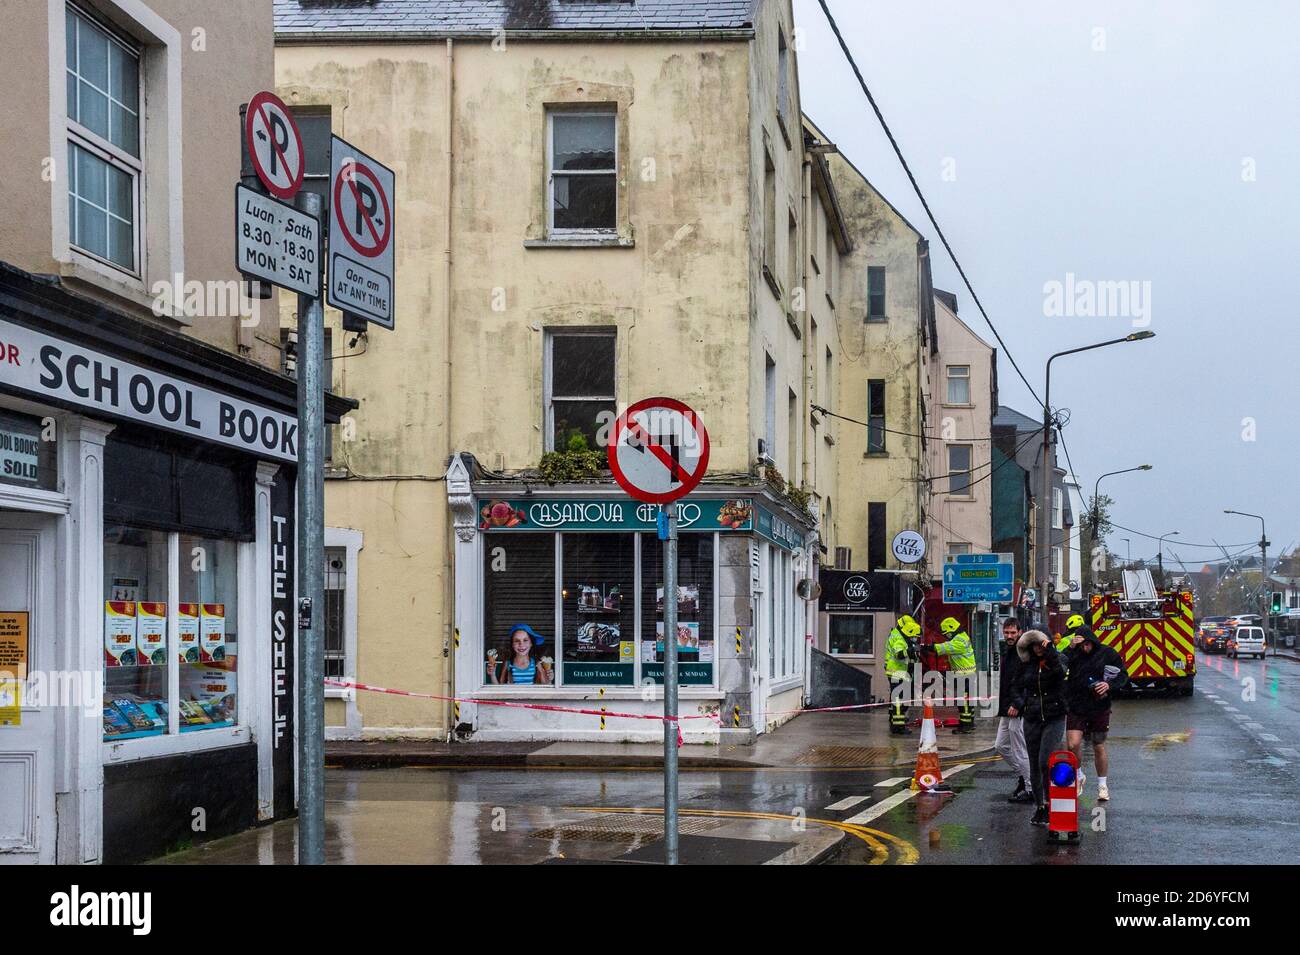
x: 958, y: 548
x: 959, y: 384
x: 580, y: 386
x: 583, y: 172
x: 1058, y: 509
x: 959, y: 468
x: 104, y: 164
x: 336, y: 585
x: 1056, y: 563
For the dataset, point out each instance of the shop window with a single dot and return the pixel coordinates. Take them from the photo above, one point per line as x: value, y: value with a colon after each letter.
x: 139, y: 647
x: 583, y: 173
x: 852, y: 634
x: 695, y: 637
x: 580, y: 383
x: 25, y: 457
x: 598, y: 609
x: 519, y: 608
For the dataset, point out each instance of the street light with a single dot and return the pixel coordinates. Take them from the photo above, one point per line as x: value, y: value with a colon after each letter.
x: 1263, y: 571
x: 1160, y: 555
x: 1096, y: 495
x: 1129, y: 559
x: 1044, y: 531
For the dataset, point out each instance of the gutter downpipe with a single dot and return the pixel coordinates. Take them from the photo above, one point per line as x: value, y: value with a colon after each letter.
x: 449, y: 601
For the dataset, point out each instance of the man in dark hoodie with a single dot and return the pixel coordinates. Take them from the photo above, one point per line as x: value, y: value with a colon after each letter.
x: 1095, y: 671
x: 1039, y: 697
x: 1010, y: 742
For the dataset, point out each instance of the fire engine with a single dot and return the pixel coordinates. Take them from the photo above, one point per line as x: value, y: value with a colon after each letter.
x: 1152, y: 630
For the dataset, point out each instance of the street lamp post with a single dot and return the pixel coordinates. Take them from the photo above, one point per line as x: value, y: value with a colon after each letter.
x: 1263, y: 573
x: 1096, y: 502
x: 1160, y: 556
x: 1128, y: 561
x: 1044, y: 528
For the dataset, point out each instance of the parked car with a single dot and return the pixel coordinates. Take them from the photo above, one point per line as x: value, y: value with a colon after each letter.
x: 1212, y: 634
x: 1246, y: 641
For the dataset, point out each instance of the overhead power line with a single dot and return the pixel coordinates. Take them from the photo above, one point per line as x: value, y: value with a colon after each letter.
x: 835, y: 28
x: 907, y: 434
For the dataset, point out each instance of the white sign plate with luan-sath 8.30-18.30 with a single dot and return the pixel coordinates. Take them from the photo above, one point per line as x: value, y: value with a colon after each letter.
x: 276, y: 242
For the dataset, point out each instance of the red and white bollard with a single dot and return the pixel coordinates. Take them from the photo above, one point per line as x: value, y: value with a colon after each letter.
x: 1063, y: 797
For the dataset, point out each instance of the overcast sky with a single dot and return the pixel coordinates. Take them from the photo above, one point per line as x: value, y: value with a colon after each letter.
x: 1113, y: 141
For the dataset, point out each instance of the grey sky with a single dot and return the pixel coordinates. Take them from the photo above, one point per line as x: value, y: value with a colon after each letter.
x: 1120, y: 164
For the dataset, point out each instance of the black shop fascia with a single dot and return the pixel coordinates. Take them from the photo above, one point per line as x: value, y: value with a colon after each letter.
x: 161, y: 472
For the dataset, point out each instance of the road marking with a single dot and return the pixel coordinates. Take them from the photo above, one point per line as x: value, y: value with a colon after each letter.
x: 893, y: 782
x: 1270, y: 737
x: 1239, y: 717
x: 1231, y: 709
x: 1289, y: 753
x: 1220, y: 702
x: 1253, y: 726
x: 847, y: 803
x: 897, y: 799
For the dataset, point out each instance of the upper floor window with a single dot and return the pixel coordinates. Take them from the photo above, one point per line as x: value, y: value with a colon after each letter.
x: 583, y: 172
x: 876, y: 293
x: 783, y: 85
x: 104, y: 167
x: 580, y: 398
x: 1058, y: 509
x: 876, y: 416
x: 959, y: 384
x: 959, y: 468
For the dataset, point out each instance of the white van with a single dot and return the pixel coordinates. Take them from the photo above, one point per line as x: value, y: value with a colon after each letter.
x: 1246, y: 640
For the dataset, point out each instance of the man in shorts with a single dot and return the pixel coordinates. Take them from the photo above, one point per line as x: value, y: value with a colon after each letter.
x: 1096, y: 670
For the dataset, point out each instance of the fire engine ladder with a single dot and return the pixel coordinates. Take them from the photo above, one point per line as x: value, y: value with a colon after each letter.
x: 1141, y: 599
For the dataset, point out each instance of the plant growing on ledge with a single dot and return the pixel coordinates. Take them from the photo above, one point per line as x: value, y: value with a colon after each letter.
x: 576, y: 463
x: 775, y: 479
x: 800, y: 499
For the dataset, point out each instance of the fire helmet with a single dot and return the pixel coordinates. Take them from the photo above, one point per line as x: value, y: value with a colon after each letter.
x: 950, y: 625
x: 908, y: 627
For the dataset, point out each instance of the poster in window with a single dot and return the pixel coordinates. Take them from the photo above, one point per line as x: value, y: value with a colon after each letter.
x: 212, y: 633
x: 688, y: 600
x: 151, y: 633
x: 596, y: 610
x: 126, y: 588
x: 119, y: 633
x: 187, y: 633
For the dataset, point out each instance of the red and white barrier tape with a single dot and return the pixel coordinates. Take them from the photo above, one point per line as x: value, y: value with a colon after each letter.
x: 351, y: 685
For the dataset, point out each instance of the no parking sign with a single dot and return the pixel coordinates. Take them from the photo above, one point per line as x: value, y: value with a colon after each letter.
x: 362, y: 213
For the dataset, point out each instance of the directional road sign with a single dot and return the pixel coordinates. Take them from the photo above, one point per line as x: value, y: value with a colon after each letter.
x: 274, y: 145
x: 362, y: 218
x: 658, y: 450
x: 276, y: 242
x: 979, y: 578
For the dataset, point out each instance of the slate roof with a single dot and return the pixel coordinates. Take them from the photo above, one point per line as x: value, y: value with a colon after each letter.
x: 460, y: 17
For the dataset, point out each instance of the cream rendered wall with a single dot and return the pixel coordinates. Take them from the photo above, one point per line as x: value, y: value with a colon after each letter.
x: 964, y: 518
x: 222, y: 65
x: 889, y: 350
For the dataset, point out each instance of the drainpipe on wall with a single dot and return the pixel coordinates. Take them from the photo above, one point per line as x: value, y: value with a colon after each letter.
x: 449, y: 576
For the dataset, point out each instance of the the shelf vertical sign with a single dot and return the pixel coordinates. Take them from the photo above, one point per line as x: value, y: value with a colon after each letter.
x: 363, y: 211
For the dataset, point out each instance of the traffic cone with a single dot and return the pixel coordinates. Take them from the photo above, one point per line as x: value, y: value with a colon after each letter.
x: 928, y: 775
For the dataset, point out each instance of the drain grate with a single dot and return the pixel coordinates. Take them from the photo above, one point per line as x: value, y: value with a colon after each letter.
x: 846, y: 756
x: 616, y: 827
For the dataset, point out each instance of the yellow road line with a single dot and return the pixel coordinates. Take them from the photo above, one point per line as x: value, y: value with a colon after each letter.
x: 872, y: 837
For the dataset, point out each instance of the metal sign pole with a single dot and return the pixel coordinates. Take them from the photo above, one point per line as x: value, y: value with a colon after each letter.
x: 670, y: 688
x: 311, y: 578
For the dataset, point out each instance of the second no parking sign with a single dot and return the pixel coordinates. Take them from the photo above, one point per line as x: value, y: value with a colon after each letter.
x: 363, y: 213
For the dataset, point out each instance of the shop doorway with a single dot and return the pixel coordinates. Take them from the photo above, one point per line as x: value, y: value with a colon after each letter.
x: 27, y: 751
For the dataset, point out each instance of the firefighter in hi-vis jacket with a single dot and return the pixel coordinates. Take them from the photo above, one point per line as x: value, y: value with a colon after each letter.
x: 899, y: 652
x: 961, y: 658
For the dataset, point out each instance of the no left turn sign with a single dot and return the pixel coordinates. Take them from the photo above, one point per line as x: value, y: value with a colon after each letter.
x: 658, y: 450
x: 274, y: 145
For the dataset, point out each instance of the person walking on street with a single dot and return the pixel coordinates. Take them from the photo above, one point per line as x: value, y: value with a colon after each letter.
x: 898, y: 657
x: 1010, y: 742
x: 1096, y: 671
x: 961, y: 657
x: 1039, y: 696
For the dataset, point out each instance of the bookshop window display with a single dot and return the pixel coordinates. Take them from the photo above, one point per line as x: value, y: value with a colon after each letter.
x: 139, y: 566
x: 602, y: 594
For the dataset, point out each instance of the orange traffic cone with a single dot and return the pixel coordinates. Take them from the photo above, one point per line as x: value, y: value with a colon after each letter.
x: 928, y: 775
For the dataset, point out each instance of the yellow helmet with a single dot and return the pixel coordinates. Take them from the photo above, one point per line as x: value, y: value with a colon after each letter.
x: 950, y: 625
x: 1074, y: 622
x: 908, y: 627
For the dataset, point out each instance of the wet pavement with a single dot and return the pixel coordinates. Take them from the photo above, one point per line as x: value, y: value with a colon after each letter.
x: 1206, y: 779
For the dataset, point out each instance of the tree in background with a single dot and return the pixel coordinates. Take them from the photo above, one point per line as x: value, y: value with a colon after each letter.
x: 1092, y: 537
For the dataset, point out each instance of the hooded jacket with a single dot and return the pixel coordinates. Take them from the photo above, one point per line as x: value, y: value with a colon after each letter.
x: 1039, y: 692
x: 1010, y: 673
x: 1088, y: 669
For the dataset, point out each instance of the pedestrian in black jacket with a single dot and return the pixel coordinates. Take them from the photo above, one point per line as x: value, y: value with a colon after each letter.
x: 1096, y: 671
x: 1010, y: 742
x: 1039, y: 698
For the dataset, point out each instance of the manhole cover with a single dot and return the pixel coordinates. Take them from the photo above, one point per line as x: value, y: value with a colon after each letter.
x: 616, y: 827
x: 846, y: 756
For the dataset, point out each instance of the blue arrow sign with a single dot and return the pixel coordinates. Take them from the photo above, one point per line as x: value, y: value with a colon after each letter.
x: 976, y: 593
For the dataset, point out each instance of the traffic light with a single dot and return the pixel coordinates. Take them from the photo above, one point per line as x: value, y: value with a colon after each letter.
x: 1276, y: 606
